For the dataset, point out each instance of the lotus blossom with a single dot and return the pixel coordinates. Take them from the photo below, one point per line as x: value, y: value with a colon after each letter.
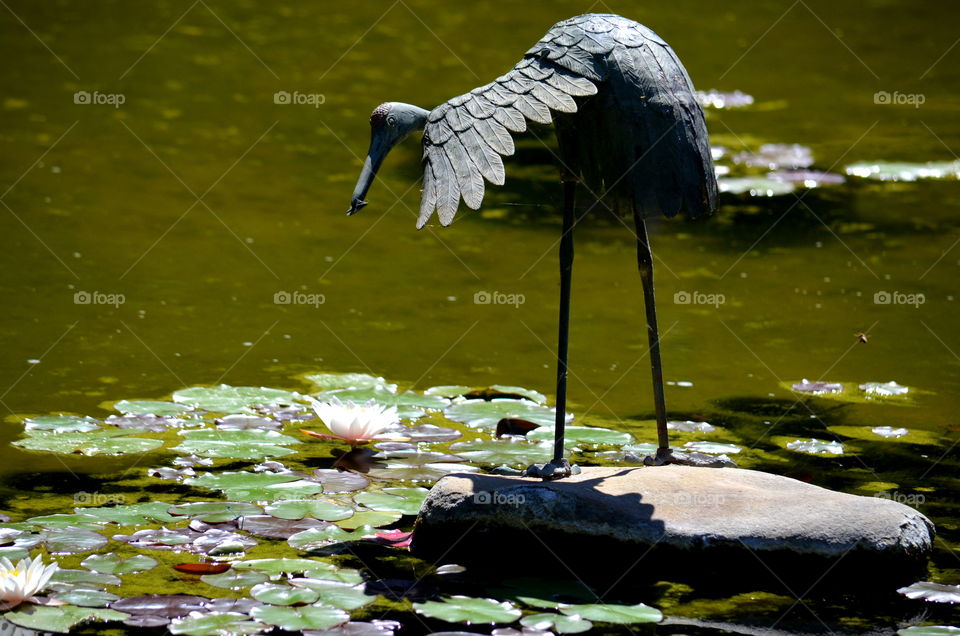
x: 19, y: 583
x: 354, y: 423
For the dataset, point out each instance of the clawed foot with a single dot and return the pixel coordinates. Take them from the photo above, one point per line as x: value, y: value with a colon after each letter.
x: 553, y: 470
x: 666, y: 456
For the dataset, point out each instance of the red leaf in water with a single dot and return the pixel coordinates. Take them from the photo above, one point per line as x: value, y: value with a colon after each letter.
x: 202, y: 568
x: 514, y: 426
x: 393, y: 538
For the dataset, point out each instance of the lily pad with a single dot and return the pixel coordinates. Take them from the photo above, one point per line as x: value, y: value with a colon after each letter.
x: 426, y: 433
x: 713, y: 448
x: 816, y: 446
x: 345, y: 596
x: 904, y: 171
x: 276, y: 528
x: 403, y: 500
x: 232, y: 399
x: 575, y: 435
x: 620, y: 614
x: 110, y: 563
x: 889, y: 431
x: 720, y: 99
x: 234, y: 579
x: 316, y: 508
x: 339, y: 480
x: 71, y: 540
x: 61, y: 424
x: 73, y: 578
x: 215, y: 511
x: 485, y: 414
x: 328, y: 381
x: 277, y: 594
x: 310, y: 568
x: 243, y: 422
x: 689, y: 426
x: 411, y: 470
x: 319, y: 538
x: 59, y: 619
x: 100, y: 442
x: 312, y: 617
x: 884, y: 389
x: 448, y: 390
x: 464, y: 609
x: 930, y: 630
x: 216, y: 624
x: 807, y: 178
x: 560, y: 623
x: 85, y: 597
x: 932, y: 592
x: 240, y: 479
x: 151, y: 407
x: 755, y: 186
x: 816, y: 388
x: 253, y: 445
x: 775, y: 156
x: 510, y: 452
x: 369, y: 518
x: 131, y: 515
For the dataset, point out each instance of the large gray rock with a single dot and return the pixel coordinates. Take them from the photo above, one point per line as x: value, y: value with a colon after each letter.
x: 692, y: 521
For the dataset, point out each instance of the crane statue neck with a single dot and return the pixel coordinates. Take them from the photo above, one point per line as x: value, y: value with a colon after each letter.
x: 390, y: 124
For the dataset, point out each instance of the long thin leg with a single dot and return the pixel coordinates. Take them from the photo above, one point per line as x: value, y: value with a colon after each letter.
x: 645, y: 264
x: 566, y: 272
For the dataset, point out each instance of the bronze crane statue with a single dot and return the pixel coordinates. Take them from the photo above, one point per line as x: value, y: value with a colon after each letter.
x: 628, y: 125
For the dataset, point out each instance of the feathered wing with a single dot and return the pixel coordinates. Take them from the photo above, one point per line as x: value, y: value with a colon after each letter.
x: 465, y: 137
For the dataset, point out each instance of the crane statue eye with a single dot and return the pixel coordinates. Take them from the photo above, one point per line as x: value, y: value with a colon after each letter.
x: 391, y: 121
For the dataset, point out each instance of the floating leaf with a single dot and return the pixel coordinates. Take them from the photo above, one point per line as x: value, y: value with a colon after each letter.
x: 405, y: 470
x: 559, y: 623
x: 276, y: 528
x: 240, y: 479
x: 61, y: 424
x: 345, y: 596
x: 574, y: 435
x: 166, y: 605
x: 317, y: 508
x: 253, y: 445
x: 81, y: 520
x: 904, y: 171
x: 131, y: 515
x: 620, y: 614
x: 930, y: 630
x: 817, y: 388
x: 774, y: 156
x: 110, y: 563
x: 816, y: 447
x: 463, y: 609
x: 234, y: 579
x: 59, y: 619
x: 283, y: 594
x: 215, y: 511
x: 403, y: 500
x: 72, y: 578
x: 370, y: 518
x: 486, y: 413
x: 85, y: 597
x: 884, y: 389
x: 510, y: 452
x: 689, y: 426
x: 713, y: 448
x: 216, y: 624
x: 100, y: 442
x: 719, y: 99
x: 319, y: 538
x: 71, y: 540
x: 808, y: 178
x: 310, y: 568
x: 243, y: 422
x: 328, y: 381
x: 448, y: 390
x: 755, y: 186
x: 301, y: 618
x: 151, y: 407
x: 232, y: 399
x: 426, y: 433
x: 202, y: 568
x: 888, y: 431
x: 932, y: 592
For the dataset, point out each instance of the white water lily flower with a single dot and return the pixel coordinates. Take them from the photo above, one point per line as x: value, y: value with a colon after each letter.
x: 20, y: 582
x: 355, y: 423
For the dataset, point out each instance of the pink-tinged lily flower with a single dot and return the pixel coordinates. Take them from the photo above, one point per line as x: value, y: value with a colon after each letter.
x: 20, y: 582
x: 354, y: 423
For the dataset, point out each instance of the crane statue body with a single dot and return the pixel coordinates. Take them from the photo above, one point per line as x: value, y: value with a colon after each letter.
x: 628, y: 125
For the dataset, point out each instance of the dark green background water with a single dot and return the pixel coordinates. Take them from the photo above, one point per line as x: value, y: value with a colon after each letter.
x: 99, y: 199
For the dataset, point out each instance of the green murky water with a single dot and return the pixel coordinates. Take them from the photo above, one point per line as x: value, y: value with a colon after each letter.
x: 104, y: 200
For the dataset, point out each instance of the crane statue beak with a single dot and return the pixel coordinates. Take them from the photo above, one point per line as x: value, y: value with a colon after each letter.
x: 375, y: 156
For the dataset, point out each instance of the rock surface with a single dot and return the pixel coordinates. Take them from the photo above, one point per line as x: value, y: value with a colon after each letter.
x: 699, y: 521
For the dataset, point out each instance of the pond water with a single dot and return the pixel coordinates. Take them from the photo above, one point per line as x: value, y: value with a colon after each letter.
x: 149, y: 244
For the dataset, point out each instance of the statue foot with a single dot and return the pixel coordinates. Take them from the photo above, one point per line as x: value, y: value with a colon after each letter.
x: 553, y: 470
x: 666, y: 456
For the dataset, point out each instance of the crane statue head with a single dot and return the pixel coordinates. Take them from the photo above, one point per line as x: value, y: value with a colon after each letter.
x: 390, y: 123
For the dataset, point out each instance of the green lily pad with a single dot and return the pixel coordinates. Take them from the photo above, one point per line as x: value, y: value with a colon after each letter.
x: 110, y: 563
x: 151, y: 407
x: 277, y: 594
x: 316, y: 508
x: 61, y: 424
x: 510, y: 452
x: 232, y: 399
x: 485, y: 414
x: 930, y: 630
x: 345, y: 596
x: 240, y: 479
x: 71, y: 540
x: 243, y: 444
x: 370, y: 518
x: 310, y: 568
x: 559, y: 623
x: 812, y: 446
x: 755, y: 186
x: 448, y: 390
x: 59, y: 619
x: 851, y: 392
x: 100, y: 442
x: 904, y: 171
x: 932, y: 592
x: 83, y: 578
x: 530, y: 394
x: 79, y: 520
x: 401, y: 470
x: 330, y: 381
x: 131, y: 515
x: 234, y: 579
x: 574, y: 435
x: 215, y: 511
x: 620, y: 614
x: 713, y: 448
x: 312, y: 617
x: 216, y: 624
x: 85, y: 597
x: 464, y: 609
x: 319, y: 538
x: 403, y: 500
x: 888, y: 435
x: 409, y: 404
